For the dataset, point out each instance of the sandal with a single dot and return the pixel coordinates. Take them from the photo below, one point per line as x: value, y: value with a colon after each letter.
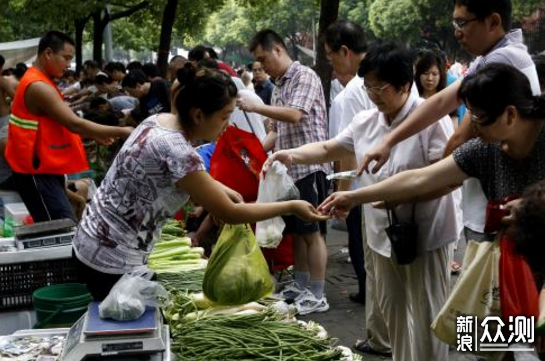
x: 455, y: 268
x: 363, y: 346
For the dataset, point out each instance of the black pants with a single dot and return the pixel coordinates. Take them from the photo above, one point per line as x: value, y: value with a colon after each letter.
x: 44, y: 196
x: 98, y: 283
x: 313, y: 189
x: 355, y: 245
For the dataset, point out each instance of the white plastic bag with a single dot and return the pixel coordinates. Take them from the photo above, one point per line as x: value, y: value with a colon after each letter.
x: 275, y: 186
x: 129, y: 297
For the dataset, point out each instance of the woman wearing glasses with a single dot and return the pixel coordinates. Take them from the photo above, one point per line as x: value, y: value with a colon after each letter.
x: 409, y: 296
x: 507, y: 156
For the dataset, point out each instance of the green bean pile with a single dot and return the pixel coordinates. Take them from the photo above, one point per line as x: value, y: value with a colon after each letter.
x: 190, y: 280
x: 257, y: 336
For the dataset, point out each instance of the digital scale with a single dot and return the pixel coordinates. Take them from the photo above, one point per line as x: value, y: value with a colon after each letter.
x: 92, y: 338
x: 45, y: 234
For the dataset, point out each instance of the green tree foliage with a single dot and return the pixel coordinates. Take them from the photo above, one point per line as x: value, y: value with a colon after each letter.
x: 231, y: 26
x: 138, y: 32
x: 356, y: 11
x: 395, y: 19
x: 525, y: 7
x: 238, y: 20
x: 19, y: 22
x: 193, y: 16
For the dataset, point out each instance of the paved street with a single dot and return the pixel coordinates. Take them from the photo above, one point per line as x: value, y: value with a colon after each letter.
x: 345, y: 319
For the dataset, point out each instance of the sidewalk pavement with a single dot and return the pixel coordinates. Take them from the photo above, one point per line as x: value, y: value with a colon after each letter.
x: 345, y: 319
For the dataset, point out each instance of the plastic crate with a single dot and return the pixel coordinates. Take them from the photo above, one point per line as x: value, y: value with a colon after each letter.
x: 19, y: 280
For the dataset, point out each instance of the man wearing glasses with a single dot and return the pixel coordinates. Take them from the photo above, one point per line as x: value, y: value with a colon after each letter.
x: 262, y: 84
x: 482, y: 28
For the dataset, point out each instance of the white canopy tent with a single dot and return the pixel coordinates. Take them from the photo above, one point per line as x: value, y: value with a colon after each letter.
x: 21, y: 51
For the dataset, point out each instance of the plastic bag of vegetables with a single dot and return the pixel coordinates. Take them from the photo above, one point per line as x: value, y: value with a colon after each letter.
x: 129, y: 297
x: 275, y: 186
x: 237, y: 272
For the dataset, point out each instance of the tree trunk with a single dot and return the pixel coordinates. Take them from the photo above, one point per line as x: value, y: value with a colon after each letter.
x: 100, y: 22
x: 79, y: 26
x: 98, y: 30
x: 329, y: 11
x: 169, y: 16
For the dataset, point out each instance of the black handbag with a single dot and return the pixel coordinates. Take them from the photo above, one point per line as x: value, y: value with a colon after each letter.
x: 403, y: 237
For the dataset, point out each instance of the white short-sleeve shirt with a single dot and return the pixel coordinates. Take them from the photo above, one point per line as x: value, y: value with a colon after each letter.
x: 355, y: 101
x: 439, y: 219
x: 335, y: 114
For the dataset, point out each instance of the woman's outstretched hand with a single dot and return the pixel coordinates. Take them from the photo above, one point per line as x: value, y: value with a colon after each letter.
x: 338, y: 204
x: 307, y: 212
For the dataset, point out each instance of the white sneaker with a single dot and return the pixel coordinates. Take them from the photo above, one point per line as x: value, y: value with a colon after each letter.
x: 308, y: 303
x: 290, y: 292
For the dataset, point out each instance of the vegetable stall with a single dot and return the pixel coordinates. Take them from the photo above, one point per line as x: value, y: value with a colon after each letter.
x: 216, y: 309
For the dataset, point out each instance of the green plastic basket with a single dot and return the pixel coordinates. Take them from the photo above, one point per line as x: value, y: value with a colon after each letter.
x: 60, y: 305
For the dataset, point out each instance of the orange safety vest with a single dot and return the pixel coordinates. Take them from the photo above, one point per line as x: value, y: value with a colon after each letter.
x: 38, y: 144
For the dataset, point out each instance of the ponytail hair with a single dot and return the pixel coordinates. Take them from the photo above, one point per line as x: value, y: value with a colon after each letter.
x: 496, y: 86
x: 206, y: 89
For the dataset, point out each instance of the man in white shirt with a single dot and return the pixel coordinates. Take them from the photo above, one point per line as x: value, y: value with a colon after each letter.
x: 345, y: 47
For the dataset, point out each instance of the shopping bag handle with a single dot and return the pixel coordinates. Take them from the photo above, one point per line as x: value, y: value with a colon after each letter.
x: 248, y: 120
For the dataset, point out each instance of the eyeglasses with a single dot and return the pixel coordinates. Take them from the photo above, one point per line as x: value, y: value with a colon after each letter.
x: 375, y: 90
x: 460, y: 23
x: 257, y: 70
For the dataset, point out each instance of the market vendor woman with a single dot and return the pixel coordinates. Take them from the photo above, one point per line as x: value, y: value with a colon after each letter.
x: 155, y: 174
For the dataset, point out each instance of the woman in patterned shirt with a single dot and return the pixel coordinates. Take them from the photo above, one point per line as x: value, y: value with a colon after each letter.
x: 155, y: 174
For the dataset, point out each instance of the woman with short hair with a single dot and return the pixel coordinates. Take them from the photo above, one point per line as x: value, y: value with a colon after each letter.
x: 409, y: 296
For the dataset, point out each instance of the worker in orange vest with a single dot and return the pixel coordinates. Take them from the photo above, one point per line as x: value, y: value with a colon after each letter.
x: 44, y: 141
